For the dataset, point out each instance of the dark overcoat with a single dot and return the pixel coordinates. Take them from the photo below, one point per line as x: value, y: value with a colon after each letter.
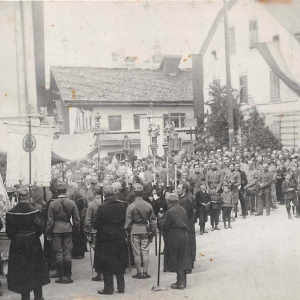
x: 177, y: 247
x: 27, y: 268
x: 187, y: 202
x: 110, y: 250
x: 202, y: 198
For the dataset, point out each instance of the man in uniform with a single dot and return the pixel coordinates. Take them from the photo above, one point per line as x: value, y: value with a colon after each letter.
x: 138, y: 214
x: 264, y: 180
x: 233, y: 179
x: 250, y: 187
x: 59, y: 229
x: 214, y: 177
x: 90, y: 231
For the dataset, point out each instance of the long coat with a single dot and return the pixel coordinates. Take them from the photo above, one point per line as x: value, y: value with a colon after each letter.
x: 201, y: 210
x: 27, y: 268
x: 187, y: 202
x: 110, y: 251
x: 177, y: 247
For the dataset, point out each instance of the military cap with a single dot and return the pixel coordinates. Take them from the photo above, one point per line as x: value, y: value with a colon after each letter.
x: 60, y: 185
x: 138, y: 187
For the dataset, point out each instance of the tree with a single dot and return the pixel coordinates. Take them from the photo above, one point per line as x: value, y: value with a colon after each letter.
x: 256, y: 133
x: 253, y: 129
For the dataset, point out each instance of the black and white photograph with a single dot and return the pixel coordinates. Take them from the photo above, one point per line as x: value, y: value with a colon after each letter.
x: 150, y: 149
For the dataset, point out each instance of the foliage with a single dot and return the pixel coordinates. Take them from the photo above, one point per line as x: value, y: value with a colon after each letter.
x: 256, y: 133
x: 3, y: 164
x: 253, y: 129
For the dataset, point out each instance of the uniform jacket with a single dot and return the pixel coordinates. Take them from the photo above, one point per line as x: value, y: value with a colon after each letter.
x: 233, y: 178
x: 90, y: 214
x: 58, y: 221
x: 215, y: 178
x: 27, y: 268
x: 266, y: 179
x: 252, y: 176
x: 133, y: 218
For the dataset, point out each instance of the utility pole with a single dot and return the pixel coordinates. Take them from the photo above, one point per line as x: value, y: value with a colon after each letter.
x: 228, y: 78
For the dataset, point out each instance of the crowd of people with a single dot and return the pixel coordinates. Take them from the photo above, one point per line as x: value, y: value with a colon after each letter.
x: 117, y: 207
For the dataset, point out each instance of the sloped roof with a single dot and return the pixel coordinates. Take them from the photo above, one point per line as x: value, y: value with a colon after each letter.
x: 128, y: 85
x: 288, y: 14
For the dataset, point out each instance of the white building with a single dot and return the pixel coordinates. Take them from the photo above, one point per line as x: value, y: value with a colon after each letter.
x: 265, y: 61
x: 121, y: 96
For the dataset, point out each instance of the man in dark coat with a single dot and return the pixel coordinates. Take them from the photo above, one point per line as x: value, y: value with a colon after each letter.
x: 187, y: 203
x: 110, y: 253
x: 202, y: 200
x: 177, y: 247
x: 244, y: 182
x: 27, y: 269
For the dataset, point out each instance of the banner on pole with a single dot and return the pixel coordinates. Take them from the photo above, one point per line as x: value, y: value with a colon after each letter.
x: 18, y: 156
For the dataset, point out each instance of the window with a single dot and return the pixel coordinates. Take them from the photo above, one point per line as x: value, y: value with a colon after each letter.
x: 114, y: 123
x: 216, y: 83
x: 136, y: 121
x: 276, y: 38
x: 243, y: 89
x: 231, y: 38
x: 178, y: 119
x: 253, y: 34
x: 275, y: 128
x: 274, y: 86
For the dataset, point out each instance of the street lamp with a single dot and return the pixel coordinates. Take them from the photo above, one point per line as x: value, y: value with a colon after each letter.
x: 60, y: 124
x: 126, y: 149
x: 175, y: 146
x: 97, y: 123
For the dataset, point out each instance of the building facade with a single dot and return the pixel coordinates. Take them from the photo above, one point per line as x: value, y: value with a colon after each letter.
x: 121, y: 97
x: 265, y: 62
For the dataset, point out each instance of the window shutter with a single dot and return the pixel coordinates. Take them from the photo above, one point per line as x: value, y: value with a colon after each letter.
x: 114, y: 123
x: 274, y: 86
x: 231, y: 34
x: 243, y: 88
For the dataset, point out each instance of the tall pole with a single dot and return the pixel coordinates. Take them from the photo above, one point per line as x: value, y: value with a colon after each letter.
x: 175, y: 161
x: 29, y: 140
x: 228, y: 78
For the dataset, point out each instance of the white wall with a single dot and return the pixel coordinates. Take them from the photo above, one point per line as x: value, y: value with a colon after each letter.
x: 246, y: 61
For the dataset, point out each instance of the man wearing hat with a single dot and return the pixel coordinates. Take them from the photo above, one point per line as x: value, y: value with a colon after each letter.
x: 177, y: 253
x: 139, y: 215
x: 27, y: 269
x: 60, y: 228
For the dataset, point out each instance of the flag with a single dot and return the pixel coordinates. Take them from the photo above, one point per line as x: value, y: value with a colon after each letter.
x: 18, y: 157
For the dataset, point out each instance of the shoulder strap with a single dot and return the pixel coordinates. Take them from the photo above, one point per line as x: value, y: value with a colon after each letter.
x: 64, y: 208
x: 140, y: 214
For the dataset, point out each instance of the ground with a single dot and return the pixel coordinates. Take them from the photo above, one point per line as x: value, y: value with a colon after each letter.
x: 257, y: 259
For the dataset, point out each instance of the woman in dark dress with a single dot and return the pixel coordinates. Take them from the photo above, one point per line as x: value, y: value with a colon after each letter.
x: 27, y: 269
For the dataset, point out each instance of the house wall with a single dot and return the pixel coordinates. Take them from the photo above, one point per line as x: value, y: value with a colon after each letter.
x: 246, y: 61
x: 126, y: 113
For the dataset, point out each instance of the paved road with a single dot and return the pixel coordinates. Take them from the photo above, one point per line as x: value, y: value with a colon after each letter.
x: 259, y: 258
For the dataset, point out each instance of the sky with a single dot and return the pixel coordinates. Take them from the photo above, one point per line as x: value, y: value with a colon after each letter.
x: 91, y: 31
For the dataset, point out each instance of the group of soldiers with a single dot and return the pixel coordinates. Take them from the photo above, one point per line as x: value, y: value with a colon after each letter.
x: 119, y: 209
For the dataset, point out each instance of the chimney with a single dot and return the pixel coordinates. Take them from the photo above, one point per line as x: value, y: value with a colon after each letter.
x: 129, y: 61
x: 170, y: 64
